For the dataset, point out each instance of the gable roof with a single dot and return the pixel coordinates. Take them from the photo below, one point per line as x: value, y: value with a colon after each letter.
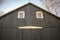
x: 28, y: 4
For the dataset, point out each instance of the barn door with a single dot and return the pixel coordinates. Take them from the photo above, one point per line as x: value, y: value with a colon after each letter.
x: 38, y: 34
x: 29, y: 34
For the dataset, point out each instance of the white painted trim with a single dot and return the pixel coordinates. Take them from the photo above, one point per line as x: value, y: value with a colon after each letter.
x: 38, y: 13
x: 30, y: 27
x: 22, y: 13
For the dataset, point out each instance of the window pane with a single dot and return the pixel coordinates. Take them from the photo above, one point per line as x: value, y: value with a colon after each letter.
x: 21, y: 14
x: 39, y: 15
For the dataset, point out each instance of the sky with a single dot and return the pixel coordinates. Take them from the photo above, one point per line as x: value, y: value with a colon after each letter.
x: 9, y: 5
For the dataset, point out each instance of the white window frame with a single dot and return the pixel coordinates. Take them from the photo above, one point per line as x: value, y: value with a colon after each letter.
x: 38, y: 13
x: 22, y: 13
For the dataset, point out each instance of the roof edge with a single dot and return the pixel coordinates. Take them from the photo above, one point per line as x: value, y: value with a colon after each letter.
x: 27, y: 4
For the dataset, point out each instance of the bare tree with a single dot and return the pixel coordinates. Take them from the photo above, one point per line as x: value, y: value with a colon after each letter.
x: 52, y: 5
x: 1, y: 2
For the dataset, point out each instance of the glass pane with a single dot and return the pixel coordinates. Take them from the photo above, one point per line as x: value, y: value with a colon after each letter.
x: 21, y: 15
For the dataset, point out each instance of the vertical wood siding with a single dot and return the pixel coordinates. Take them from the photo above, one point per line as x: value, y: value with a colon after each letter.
x: 19, y: 34
x: 10, y: 22
x: 30, y: 19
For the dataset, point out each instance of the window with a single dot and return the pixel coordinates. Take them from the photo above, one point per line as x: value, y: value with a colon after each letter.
x: 21, y: 14
x: 39, y: 14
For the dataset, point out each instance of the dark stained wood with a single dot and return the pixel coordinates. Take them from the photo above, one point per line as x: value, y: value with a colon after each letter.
x: 8, y: 33
x: 9, y: 24
x: 30, y: 19
x: 38, y: 34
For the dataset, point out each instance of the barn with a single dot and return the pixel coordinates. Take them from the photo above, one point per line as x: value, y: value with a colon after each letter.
x: 29, y: 22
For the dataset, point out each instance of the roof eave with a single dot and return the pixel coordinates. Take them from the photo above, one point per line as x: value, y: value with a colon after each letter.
x: 27, y: 4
